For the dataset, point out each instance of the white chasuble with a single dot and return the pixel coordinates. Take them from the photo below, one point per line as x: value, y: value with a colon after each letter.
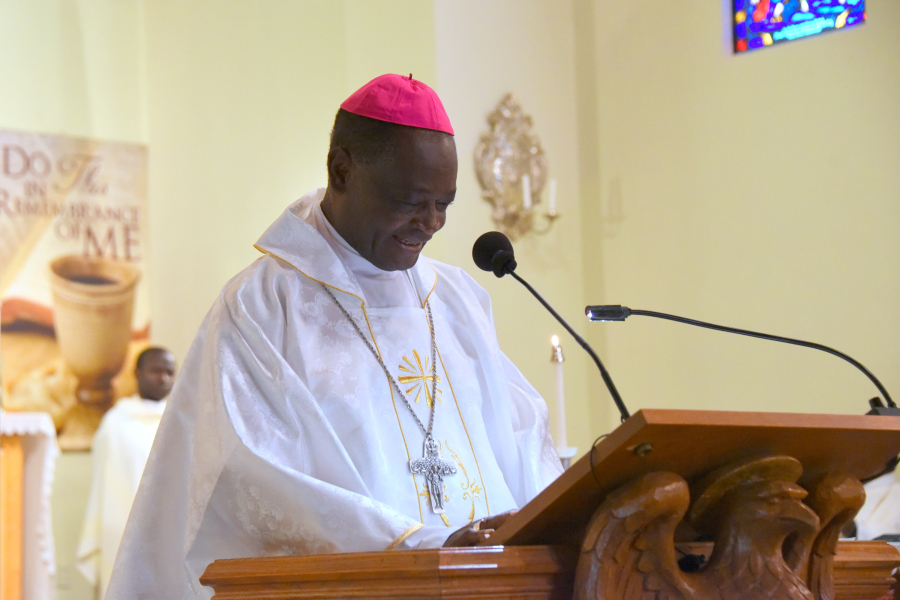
x: 283, y: 434
x: 120, y: 450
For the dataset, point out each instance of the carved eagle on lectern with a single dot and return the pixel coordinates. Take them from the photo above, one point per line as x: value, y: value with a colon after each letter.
x: 768, y: 543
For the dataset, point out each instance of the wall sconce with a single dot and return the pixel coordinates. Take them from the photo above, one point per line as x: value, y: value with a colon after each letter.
x: 512, y: 170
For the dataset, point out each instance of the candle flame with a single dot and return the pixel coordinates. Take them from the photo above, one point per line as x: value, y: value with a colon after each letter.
x: 554, y: 340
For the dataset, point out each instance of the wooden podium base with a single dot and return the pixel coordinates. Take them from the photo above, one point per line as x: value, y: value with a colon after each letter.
x: 862, y: 572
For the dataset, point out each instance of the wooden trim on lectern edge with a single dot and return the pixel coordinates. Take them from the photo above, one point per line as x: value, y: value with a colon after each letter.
x: 861, y: 569
x: 545, y: 572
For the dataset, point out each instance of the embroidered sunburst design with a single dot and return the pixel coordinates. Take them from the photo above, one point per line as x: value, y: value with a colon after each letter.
x: 420, y: 378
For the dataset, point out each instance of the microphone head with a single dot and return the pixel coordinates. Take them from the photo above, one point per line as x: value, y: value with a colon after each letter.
x: 494, y: 252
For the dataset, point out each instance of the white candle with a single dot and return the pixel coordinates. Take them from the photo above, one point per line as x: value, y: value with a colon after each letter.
x: 526, y: 192
x: 561, y: 439
x: 551, y: 204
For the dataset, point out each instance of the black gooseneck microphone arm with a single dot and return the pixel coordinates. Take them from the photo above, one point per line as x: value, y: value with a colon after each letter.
x: 581, y: 342
x: 620, y: 313
x: 494, y: 252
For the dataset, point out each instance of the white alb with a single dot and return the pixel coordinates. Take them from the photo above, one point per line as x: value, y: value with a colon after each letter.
x: 283, y: 435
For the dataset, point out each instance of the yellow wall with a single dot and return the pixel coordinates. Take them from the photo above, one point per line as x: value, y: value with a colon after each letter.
x: 72, y: 67
x: 759, y: 191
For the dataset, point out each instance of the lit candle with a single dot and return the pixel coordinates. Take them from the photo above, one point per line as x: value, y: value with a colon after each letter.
x: 557, y: 359
x: 526, y: 192
x: 551, y: 204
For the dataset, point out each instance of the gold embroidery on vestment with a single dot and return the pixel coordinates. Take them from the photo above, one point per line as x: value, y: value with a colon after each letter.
x: 420, y: 378
x: 471, y: 491
x: 466, y: 429
x: 307, y: 275
x: 404, y: 535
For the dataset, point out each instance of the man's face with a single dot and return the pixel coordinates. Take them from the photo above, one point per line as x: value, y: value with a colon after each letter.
x: 156, y: 375
x: 390, y: 208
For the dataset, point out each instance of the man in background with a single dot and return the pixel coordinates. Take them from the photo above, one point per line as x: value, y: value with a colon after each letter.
x: 120, y: 450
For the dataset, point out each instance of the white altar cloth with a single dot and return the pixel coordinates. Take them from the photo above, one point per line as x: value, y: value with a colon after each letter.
x: 40, y: 452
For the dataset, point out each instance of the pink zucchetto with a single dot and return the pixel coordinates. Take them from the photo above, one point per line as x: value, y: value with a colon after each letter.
x: 401, y: 100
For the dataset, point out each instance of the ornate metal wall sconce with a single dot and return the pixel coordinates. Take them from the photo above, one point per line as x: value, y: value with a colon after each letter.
x: 512, y: 171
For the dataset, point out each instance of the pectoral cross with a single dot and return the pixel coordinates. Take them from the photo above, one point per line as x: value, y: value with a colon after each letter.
x: 433, y: 469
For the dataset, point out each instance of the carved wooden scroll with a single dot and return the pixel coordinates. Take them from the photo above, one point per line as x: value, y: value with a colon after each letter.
x: 768, y: 542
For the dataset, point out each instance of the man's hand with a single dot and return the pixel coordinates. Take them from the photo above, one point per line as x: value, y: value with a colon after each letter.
x: 475, y: 533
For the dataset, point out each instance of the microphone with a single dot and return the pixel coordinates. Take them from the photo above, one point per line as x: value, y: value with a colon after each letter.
x: 616, y: 312
x: 494, y: 252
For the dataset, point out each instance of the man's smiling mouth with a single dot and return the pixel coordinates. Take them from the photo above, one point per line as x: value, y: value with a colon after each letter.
x: 412, y: 245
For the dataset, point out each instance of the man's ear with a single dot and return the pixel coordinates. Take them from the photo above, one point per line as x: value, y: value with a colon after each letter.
x: 339, y: 163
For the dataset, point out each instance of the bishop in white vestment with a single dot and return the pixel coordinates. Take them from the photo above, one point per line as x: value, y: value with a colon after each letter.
x: 286, y: 432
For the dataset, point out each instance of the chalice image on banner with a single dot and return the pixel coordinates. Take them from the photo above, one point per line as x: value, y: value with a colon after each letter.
x: 93, y: 300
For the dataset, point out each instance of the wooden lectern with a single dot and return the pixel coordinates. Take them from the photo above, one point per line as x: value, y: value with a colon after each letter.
x: 754, y: 500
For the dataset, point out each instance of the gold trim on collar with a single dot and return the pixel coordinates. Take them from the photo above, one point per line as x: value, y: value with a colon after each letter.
x: 434, y: 285
x: 404, y: 535
x: 307, y: 275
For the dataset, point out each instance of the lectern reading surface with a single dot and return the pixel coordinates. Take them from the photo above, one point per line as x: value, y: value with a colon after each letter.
x: 692, y: 443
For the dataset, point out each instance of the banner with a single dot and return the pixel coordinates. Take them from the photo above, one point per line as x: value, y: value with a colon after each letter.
x: 74, y: 307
